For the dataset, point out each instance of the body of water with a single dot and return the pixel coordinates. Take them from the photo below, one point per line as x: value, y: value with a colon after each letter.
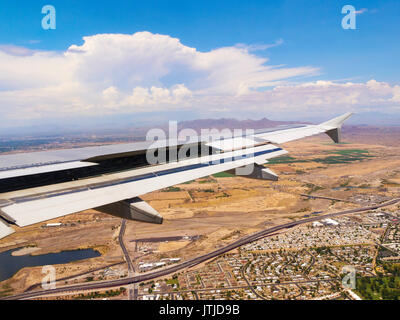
x: 9, y: 265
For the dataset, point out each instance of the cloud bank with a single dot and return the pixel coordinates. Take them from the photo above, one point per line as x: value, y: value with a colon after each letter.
x: 145, y: 72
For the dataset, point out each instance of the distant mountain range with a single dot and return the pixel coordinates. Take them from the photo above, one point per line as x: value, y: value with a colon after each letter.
x: 386, y: 135
x: 233, y: 124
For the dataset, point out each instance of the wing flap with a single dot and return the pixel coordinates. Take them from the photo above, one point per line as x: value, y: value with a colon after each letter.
x: 233, y: 143
x: 5, y: 174
x: 5, y: 230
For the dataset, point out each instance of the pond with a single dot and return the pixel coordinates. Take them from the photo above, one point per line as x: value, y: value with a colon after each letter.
x: 10, y: 264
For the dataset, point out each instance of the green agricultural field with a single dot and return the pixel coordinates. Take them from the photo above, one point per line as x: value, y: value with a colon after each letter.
x: 284, y: 159
x: 350, y: 152
x: 345, y: 156
x: 340, y: 156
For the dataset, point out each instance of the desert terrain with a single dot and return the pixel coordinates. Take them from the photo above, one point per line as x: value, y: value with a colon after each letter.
x: 214, y: 211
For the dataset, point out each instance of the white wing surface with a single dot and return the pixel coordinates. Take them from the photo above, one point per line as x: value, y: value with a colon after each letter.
x: 30, y: 205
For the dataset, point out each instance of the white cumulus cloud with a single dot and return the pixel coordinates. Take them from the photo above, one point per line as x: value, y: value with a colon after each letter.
x: 146, y: 72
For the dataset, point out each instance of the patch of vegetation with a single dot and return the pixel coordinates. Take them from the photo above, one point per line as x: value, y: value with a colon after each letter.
x: 97, y: 295
x: 173, y: 281
x: 379, y: 288
x: 323, y: 250
x: 224, y: 195
x: 189, y: 182
x: 209, y: 180
x: 386, y: 286
x: 334, y: 143
x: 345, y: 156
x: 172, y: 189
x: 312, y: 188
x: 349, y: 151
x: 209, y: 190
x: 391, y: 269
x: 198, y: 279
x: 340, y: 159
x: 223, y: 175
x: 284, y: 159
x: 341, y: 156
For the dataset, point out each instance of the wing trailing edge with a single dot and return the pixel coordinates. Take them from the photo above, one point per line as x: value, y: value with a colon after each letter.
x: 5, y: 229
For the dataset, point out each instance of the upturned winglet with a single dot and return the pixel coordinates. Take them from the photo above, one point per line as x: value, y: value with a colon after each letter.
x: 333, y: 126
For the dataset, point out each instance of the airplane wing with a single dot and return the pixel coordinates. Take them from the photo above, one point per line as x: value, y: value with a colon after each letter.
x: 41, y: 186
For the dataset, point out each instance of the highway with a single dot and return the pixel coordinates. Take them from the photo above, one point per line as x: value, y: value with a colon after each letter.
x: 323, y: 197
x: 195, y: 261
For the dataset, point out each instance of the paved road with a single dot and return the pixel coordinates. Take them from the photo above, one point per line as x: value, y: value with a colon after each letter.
x: 131, y: 268
x: 190, y: 263
x: 243, y: 272
x: 163, y: 239
x: 124, y: 250
x: 322, y: 197
x: 307, y: 271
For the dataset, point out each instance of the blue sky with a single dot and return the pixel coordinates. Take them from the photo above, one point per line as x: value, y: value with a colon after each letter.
x: 307, y: 34
x: 310, y: 29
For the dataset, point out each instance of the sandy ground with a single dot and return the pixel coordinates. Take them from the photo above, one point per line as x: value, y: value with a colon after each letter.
x: 24, y: 251
x: 172, y: 245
